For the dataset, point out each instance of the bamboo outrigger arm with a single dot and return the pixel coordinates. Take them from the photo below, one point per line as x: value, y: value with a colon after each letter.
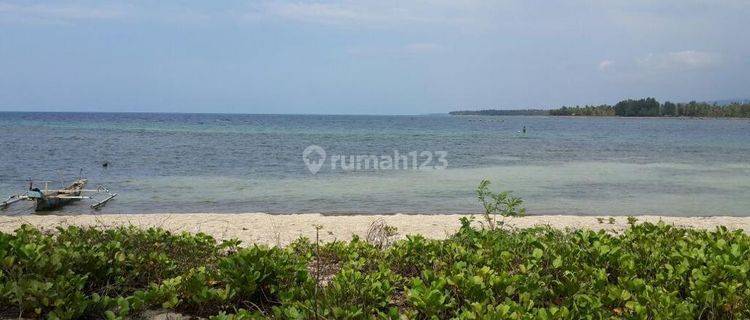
x: 103, y: 202
x: 11, y: 200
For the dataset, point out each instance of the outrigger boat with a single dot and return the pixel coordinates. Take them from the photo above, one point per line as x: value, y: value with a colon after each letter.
x: 51, y: 199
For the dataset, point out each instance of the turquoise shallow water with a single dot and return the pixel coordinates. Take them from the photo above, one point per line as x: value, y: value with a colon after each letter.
x: 247, y: 163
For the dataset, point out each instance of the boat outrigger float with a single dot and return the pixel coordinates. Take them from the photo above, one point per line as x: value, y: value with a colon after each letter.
x: 50, y: 199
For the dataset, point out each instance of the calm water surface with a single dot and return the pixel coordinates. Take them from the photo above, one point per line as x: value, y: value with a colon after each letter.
x: 250, y: 163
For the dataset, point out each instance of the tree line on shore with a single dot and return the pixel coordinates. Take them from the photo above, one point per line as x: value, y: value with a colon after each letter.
x: 646, y: 107
x: 649, y: 107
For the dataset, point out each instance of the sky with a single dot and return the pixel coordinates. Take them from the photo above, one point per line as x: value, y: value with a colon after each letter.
x: 367, y: 57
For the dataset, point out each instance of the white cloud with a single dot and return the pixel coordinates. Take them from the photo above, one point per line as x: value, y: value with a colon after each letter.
x: 605, y: 64
x: 693, y: 59
x: 336, y: 13
x: 680, y: 60
x: 379, y: 14
x: 55, y: 13
x: 316, y: 12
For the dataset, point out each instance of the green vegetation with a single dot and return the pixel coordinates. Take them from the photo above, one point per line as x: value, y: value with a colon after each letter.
x: 649, y: 107
x: 601, y: 110
x: 501, y: 204
x: 650, y: 271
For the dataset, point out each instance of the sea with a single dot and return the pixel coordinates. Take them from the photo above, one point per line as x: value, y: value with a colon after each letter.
x: 360, y: 164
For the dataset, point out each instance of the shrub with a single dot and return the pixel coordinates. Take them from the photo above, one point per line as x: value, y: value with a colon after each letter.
x: 648, y: 271
x: 501, y: 203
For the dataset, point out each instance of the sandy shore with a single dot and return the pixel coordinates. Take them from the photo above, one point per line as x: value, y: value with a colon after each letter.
x: 281, y: 229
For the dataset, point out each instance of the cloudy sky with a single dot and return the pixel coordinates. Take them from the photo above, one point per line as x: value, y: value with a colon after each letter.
x: 367, y: 57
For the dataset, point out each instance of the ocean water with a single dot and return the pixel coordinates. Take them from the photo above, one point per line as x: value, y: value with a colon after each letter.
x: 254, y: 163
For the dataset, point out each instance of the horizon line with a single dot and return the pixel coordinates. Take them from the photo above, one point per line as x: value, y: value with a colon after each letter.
x: 233, y: 113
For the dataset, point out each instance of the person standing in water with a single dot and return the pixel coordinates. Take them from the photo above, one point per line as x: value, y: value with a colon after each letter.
x: 524, y: 130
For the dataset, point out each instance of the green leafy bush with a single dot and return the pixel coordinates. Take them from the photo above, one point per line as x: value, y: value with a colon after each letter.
x: 649, y: 271
x: 503, y: 204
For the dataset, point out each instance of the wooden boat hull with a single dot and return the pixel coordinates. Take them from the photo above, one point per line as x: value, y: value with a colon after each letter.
x: 47, y: 204
x: 56, y: 200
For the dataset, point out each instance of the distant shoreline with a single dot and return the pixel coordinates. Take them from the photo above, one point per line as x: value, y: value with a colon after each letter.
x: 614, y: 117
x: 646, y: 107
x: 269, y: 229
x: 477, y: 113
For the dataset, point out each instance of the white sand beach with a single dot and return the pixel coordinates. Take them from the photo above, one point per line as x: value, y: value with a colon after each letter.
x: 261, y: 228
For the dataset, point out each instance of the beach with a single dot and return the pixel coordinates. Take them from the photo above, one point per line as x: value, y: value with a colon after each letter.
x: 268, y: 229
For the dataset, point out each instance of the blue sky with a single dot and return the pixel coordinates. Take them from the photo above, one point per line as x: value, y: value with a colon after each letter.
x: 366, y: 57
